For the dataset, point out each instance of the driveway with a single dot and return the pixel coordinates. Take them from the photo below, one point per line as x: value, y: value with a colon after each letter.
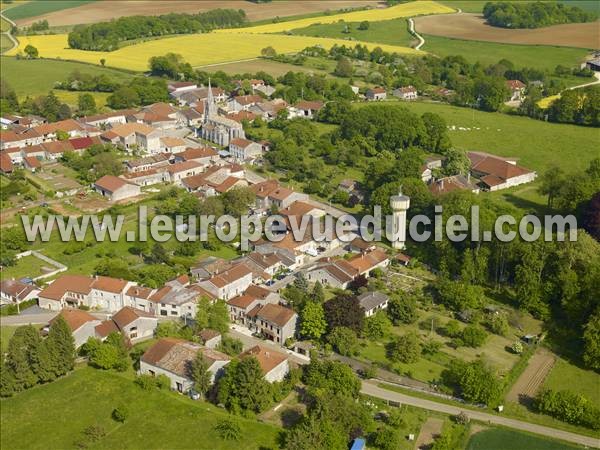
x: 371, y: 388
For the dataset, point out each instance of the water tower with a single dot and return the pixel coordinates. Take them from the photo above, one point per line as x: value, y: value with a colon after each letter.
x: 400, y: 204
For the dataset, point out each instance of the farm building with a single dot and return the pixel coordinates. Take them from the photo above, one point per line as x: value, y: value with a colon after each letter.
x: 497, y: 173
x: 115, y: 188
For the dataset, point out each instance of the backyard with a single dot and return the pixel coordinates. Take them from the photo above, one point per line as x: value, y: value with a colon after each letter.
x: 504, y: 439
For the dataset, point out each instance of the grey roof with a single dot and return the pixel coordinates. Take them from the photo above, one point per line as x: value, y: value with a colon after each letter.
x: 370, y: 300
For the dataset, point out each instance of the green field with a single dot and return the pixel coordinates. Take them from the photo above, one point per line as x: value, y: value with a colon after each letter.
x: 4, y: 25
x: 157, y: 419
x: 27, y: 266
x: 502, y: 439
x: 393, y: 32
x: 539, y: 56
x: 5, y: 335
x: 476, y: 6
x: 538, y: 144
x: 37, y: 77
x: 39, y: 7
x: 5, y: 43
x: 566, y: 376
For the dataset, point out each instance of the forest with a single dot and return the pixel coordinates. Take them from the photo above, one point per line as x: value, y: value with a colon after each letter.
x: 533, y: 15
x: 107, y: 36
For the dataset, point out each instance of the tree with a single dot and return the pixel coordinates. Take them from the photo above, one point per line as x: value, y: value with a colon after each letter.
x: 402, y: 308
x: 405, y: 348
x: 238, y: 200
x: 343, y: 68
x: 332, y: 376
x: 268, y: 52
x: 159, y: 255
x: 86, y: 104
x: 218, y: 317
x: 231, y: 346
x: 473, y: 336
x: 61, y: 346
x: 387, y: 438
x: 120, y: 414
x: 202, y: 313
x: 19, y: 359
x: 473, y: 381
x: 377, y: 326
x: 344, y: 310
x: 31, y: 51
x: 318, y: 294
x: 243, y: 388
x: 343, y: 340
x: 228, y: 429
x: 200, y: 374
x: 123, y: 97
x: 498, y: 324
x: 364, y: 25
x: 312, y: 320
x: 102, y: 62
x: 314, y: 433
x: 591, y: 342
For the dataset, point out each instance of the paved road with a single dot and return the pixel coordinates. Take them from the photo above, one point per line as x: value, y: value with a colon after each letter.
x: 411, y: 23
x: 371, y: 388
x: 7, y: 33
x: 38, y: 318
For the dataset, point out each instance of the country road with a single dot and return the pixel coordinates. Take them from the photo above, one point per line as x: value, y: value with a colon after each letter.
x: 411, y: 24
x: 371, y: 388
x: 7, y: 33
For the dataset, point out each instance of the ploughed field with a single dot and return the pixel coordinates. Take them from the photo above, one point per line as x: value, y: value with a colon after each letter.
x: 473, y: 27
x: 101, y: 11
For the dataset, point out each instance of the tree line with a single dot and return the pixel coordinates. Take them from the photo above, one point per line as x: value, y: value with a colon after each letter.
x: 108, y: 36
x: 31, y: 360
x: 534, y: 14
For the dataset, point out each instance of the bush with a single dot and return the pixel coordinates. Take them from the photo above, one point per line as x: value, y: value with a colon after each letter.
x: 146, y: 382
x: 474, y: 336
x: 120, y: 414
x: 568, y: 407
x: 228, y: 429
x: 517, y: 347
x: 163, y: 382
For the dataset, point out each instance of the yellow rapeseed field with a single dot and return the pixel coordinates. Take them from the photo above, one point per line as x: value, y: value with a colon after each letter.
x: 373, y: 15
x: 546, y: 101
x: 197, y: 49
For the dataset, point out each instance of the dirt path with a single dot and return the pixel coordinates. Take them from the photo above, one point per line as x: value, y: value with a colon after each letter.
x: 430, y: 430
x: 411, y: 23
x: 532, y: 378
x: 473, y: 27
x: 7, y: 33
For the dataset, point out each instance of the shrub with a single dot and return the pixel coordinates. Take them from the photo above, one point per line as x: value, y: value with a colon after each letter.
x: 120, y: 414
x: 228, y: 429
x: 146, y: 382
x: 517, y: 347
x: 474, y: 336
x: 163, y: 382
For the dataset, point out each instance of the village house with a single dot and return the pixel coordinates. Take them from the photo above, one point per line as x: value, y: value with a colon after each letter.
x: 406, y: 93
x: 6, y: 164
x: 202, y: 155
x: 517, y: 90
x: 72, y: 291
x: 175, y: 87
x: 10, y: 139
x: 172, y: 145
x: 376, y: 94
x: 243, y: 149
x: 274, y: 365
x: 497, y: 173
x: 109, y: 119
x: 210, y: 338
x: 243, y: 102
x: 267, y: 110
x: 208, y: 266
x: 306, y: 109
x: 173, y: 357
x: 134, y: 135
x: 215, y: 180
x: 179, y: 171
x: 81, y: 323
x: 270, y: 192
x: 255, y: 296
x: 115, y: 188
x: 15, y: 291
x: 147, y: 177
x: 135, y: 324
x: 174, y: 300
x: 158, y: 161
x: 431, y: 163
x: 372, y: 302
x: 32, y: 163
x: 254, y: 83
x: 455, y: 182
x: 194, y: 97
x: 275, y: 322
x: 192, y: 117
x: 230, y: 283
x: 48, y: 131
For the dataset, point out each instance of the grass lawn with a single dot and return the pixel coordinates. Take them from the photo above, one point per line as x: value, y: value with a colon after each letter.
x: 27, y: 266
x: 39, y: 7
x: 157, y: 419
x: 6, y: 333
x: 71, y: 98
x: 503, y: 439
x: 37, y: 77
x: 566, y: 376
x: 5, y: 43
x: 539, y: 56
x: 547, y: 144
x: 4, y: 25
x: 256, y: 65
x: 393, y: 32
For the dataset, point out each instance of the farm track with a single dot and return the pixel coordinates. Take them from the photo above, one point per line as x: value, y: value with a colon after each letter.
x: 7, y: 33
x: 532, y: 378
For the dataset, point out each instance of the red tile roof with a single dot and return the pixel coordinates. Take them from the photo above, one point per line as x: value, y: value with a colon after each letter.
x: 267, y: 359
x: 75, y: 318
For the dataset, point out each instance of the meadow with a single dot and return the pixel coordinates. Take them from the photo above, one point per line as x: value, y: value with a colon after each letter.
x: 565, y: 375
x: 372, y: 15
x: 5, y: 43
x: 38, y: 76
x: 86, y: 397
x: 476, y: 6
x: 391, y: 32
x: 27, y: 266
x: 196, y: 49
x: 546, y: 144
x: 539, y: 56
x: 504, y: 439
x: 39, y: 7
